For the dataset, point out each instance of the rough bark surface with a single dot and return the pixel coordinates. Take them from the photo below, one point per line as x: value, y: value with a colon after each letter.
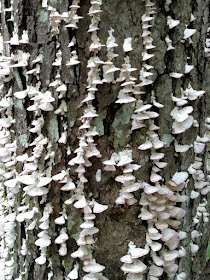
x: 119, y: 224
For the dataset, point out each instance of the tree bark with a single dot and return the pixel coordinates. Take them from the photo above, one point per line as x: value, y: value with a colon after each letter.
x: 119, y: 224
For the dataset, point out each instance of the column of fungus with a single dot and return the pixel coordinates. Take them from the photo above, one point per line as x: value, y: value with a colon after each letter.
x: 181, y: 115
x: 141, y: 114
x: 153, y: 142
x: 71, y: 17
x: 147, y: 43
x: 182, y: 122
x: 34, y: 182
x: 163, y: 218
x: 196, y: 170
x: 7, y: 173
x: 124, y: 160
x: 2, y: 217
x: 86, y: 150
x: 158, y: 203
x: 128, y: 81
x: 109, y: 68
x: 155, y: 199
x: 201, y: 216
x: 44, y: 239
x: 201, y: 184
x: 8, y: 191
x: 66, y: 185
x: 207, y: 46
x: 171, y: 24
x: 60, y: 92
x: 133, y: 267
x: 7, y: 168
x: 207, y: 134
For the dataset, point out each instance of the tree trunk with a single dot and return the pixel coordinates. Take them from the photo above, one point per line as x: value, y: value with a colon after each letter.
x: 63, y: 117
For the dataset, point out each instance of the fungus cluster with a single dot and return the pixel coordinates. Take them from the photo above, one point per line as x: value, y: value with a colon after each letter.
x: 128, y: 81
x: 70, y: 18
x: 127, y: 179
x: 181, y: 113
x: 109, y: 68
x: 86, y: 150
x: 207, y: 46
x: 133, y: 267
x: 147, y: 18
x: 142, y: 113
x: 195, y: 169
x: 164, y: 217
x: 44, y: 239
x: 8, y: 161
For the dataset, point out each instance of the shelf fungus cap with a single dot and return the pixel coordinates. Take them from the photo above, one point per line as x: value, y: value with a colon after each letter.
x: 81, y: 203
x: 93, y: 267
x: 154, y: 177
x: 110, y: 162
x: 87, y: 224
x: 124, y: 157
x: 89, y: 231
x: 172, y: 22
x: 181, y: 148
x: 182, y: 114
x: 61, y: 238
x: 73, y: 275
x: 143, y: 108
x: 156, y: 156
x: 60, y: 176
x: 81, y: 252
x: 179, y: 178
x: 188, y: 68
x: 69, y: 186
x: 180, y: 127
x: 45, y: 106
x: 146, y: 215
x: 60, y: 220
x: 146, y: 18
x: 124, y: 98
x: 155, y: 270
x: 137, y: 252
x: 148, y: 189
x: 43, y: 181
x: 125, y: 178
x: 188, y: 33
x: 10, y: 183
x: 43, y: 242
x: 136, y: 267
x: 21, y: 94
x: 176, y: 75
x: 126, y: 259
x: 131, y: 167
x: 127, y: 45
x: 168, y: 234
x: 41, y: 260
x: 170, y: 255
x: 27, y: 179
x: 99, y: 208
x: 36, y: 191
